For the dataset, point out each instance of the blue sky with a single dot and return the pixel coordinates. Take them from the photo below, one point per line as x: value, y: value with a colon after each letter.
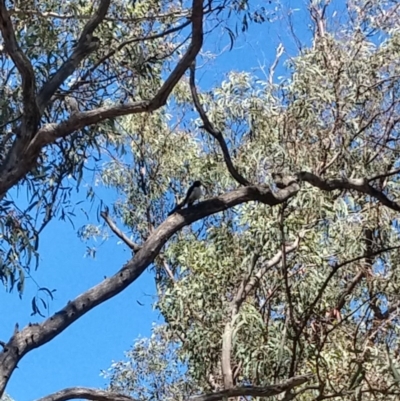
x: 76, y: 357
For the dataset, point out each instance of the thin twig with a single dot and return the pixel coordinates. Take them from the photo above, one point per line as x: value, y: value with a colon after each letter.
x: 384, y: 175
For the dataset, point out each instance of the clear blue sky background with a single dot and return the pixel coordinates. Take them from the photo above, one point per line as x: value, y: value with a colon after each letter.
x: 76, y: 357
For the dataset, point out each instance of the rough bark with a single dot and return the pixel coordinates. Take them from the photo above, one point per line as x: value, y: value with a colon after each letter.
x: 100, y: 395
x: 33, y: 336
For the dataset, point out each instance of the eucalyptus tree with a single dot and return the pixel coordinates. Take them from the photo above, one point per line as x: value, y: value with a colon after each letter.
x: 287, y: 284
x: 69, y: 70
x: 303, y: 278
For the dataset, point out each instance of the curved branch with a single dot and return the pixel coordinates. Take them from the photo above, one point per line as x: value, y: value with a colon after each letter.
x: 33, y: 336
x: 190, y: 55
x: 119, y: 233
x: 251, y: 391
x: 358, y: 184
x: 208, y: 126
x: 74, y: 393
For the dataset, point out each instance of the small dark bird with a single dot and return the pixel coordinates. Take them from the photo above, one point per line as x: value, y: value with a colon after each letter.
x: 193, y: 194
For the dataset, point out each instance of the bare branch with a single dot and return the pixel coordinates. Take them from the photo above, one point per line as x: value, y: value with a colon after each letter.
x: 33, y: 336
x: 86, y: 394
x: 119, y: 233
x: 358, y: 184
x: 31, y: 116
x: 86, y: 45
x: 194, y: 48
x: 212, y: 131
x: 251, y: 391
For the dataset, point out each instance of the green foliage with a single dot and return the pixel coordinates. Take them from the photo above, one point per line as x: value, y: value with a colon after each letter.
x: 328, y: 308
x: 235, y: 308
x: 138, y: 43
x: 151, y: 370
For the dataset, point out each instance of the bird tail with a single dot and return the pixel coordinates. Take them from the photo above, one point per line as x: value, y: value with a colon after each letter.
x: 176, y: 208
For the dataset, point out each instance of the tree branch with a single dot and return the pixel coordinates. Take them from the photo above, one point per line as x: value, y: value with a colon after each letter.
x: 84, y: 47
x: 226, y: 365
x: 207, y: 125
x: 126, y: 43
x: 246, y: 286
x: 384, y: 175
x: 14, y: 170
x: 33, y: 336
x: 101, y: 395
x: 31, y: 116
x: 194, y: 48
x: 309, y: 311
x: 87, y: 394
x: 245, y: 289
x: 119, y: 233
x: 357, y: 184
x: 251, y: 391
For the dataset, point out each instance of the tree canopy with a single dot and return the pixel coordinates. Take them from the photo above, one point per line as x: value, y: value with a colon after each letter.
x: 282, y: 283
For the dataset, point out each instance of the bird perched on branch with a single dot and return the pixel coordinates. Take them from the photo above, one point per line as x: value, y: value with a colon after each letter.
x: 193, y: 194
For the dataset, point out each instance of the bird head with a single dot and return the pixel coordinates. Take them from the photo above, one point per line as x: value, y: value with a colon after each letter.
x: 197, y: 184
